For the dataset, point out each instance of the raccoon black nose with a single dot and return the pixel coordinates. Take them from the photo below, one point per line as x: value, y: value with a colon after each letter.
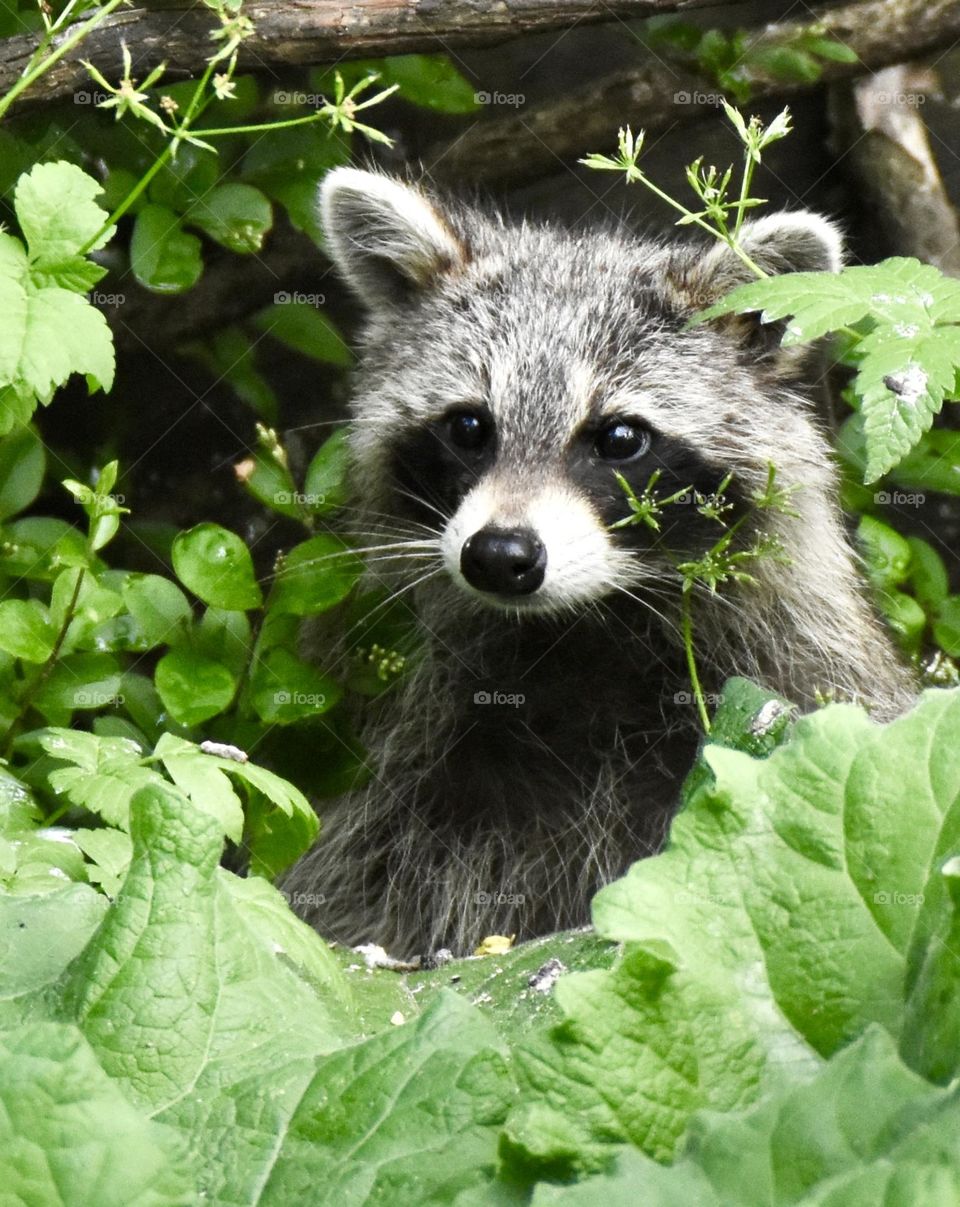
x: 506, y: 561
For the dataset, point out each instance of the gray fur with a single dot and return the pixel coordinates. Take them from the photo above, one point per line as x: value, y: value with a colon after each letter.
x: 486, y: 818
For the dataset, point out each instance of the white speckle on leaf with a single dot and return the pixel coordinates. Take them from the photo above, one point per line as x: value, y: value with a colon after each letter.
x: 397, y: 1018
x: 766, y: 718
x: 547, y: 975
x: 57, y: 834
x: 906, y: 330
x: 224, y: 751
x: 909, y: 386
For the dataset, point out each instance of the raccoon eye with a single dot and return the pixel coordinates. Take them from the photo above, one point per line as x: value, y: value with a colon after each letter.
x: 468, y: 430
x: 622, y: 441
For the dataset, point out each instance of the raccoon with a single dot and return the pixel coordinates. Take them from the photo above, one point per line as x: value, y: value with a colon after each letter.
x: 510, y: 375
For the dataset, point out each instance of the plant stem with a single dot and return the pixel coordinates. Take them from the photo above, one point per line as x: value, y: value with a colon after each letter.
x: 284, y: 125
x: 45, y: 671
x: 34, y: 73
x: 687, y: 621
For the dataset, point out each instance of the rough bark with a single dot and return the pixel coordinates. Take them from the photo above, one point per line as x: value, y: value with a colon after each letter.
x: 887, y: 150
x: 290, y: 32
x: 515, y: 149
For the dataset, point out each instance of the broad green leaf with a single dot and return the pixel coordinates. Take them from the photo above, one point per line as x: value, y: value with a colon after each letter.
x: 159, y: 607
x: 928, y: 574
x: 26, y: 630
x: 908, y: 360
x: 48, y: 333
x: 200, y: 778
x: 305, y: 329
x: 946, y: 626
x: 325, y: 486
x: 193, y: 687
x: 933, y: 465
x: 286, y: 689
x: 39, y: 936
x: 864, y: 1131
x: 314, y: 576
x: 430, y: 80
x: 238, y: 216
x: 224, y: 636
x: 163, y: 256
x: 350, y: 1139
x: 22, y: 466
x: 57, y: 212
x: 69, y: 1135
x: 272, y: 484
x: 794, y: 897
x: 885, y: 551
x: 80, y: 681
x: 902, y: 382
x: 58, y: 216
x: 39, y: 547
x: 103, y: 773
x: 183, y: 181
x: 109, y: 851
x: 216, y: 566
x: 289, y: 166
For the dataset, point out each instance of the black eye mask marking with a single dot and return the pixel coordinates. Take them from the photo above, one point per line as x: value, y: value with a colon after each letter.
x: 682, y: 468
x: 434, y: 465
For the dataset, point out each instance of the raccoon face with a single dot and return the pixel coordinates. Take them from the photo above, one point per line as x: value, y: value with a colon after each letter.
x: 514, y: 380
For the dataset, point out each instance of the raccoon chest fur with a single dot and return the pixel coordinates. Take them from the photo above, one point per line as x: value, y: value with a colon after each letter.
x: 517, y: 387
x: 508, y: 789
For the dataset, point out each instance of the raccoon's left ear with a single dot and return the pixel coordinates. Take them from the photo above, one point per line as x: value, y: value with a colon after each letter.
x: 386, y: 237
x: 778, y: 243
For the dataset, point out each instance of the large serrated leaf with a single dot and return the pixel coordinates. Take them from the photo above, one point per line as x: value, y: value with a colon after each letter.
x: 783, y: 919
x: 864, y: 1131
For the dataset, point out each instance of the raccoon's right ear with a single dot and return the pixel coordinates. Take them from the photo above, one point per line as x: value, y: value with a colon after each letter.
x: 386, y: 238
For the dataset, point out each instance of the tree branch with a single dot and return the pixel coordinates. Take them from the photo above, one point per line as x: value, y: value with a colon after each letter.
x: 522, y: 147
x: 291, y: 32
